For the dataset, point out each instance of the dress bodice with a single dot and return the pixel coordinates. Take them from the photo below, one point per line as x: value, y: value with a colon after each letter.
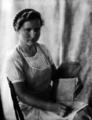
x: 37, y: 70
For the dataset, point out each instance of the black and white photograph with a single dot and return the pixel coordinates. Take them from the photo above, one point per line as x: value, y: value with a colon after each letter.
x: 45, y: 59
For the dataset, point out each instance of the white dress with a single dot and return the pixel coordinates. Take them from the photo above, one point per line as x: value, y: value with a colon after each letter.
x: 36, y: 73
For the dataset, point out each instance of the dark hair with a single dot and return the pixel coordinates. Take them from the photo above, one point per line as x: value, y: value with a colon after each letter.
x: 26, y: 15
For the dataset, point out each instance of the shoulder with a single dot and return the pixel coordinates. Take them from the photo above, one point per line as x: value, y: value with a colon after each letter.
x: 14, y: 57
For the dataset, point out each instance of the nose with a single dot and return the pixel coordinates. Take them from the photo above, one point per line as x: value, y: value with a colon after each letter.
x: 32, y: 33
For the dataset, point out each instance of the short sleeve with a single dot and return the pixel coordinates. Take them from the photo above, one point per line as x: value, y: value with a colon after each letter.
x: 14, y: 70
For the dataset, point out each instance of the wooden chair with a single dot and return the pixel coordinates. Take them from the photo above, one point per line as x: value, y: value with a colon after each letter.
x: 18, y: 112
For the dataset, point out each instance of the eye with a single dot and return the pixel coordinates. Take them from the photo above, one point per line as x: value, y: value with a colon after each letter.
x: 28, y: 30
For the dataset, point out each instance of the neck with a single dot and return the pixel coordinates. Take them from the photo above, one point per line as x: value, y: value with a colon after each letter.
x: 29, y: 50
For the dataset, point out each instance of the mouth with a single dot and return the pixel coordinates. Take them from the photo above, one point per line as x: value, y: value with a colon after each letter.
x: 30, y: 42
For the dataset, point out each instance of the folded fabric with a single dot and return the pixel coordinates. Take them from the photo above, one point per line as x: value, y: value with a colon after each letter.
x: 76, y: 108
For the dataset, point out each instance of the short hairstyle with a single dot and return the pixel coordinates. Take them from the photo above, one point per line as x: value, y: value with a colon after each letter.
x: 26, y: 15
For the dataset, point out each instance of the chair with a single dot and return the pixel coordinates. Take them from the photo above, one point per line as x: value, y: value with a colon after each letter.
x: 18, y: 112
x: 1, y: 109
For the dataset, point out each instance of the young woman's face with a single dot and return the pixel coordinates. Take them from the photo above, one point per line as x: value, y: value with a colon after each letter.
x: 30, y: 31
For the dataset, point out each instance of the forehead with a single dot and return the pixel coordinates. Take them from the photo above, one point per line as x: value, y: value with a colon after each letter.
x: 32, y: 24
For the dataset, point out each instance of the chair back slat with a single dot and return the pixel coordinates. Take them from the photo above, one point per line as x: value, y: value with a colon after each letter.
x: 18, y: 112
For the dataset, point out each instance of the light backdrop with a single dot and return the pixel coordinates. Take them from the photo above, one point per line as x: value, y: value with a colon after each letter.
x: 67, y: 33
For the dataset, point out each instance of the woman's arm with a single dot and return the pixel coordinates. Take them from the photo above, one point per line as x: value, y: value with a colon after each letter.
x: 25, y: 96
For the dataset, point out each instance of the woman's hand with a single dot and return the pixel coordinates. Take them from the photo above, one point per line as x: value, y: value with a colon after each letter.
x: 69, y: 69
x: 57, y: 108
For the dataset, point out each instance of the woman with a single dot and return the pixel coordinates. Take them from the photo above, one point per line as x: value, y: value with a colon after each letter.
x: 31, y: 70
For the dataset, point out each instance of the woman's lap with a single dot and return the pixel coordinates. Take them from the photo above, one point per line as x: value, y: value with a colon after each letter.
x: 85, y: 114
